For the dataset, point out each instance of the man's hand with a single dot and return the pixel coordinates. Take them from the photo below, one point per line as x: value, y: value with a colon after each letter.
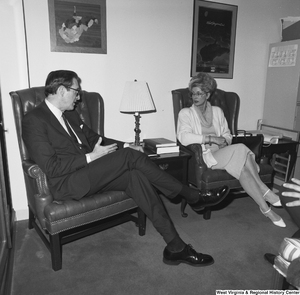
x: 100, y: 150
x: 295, y: 194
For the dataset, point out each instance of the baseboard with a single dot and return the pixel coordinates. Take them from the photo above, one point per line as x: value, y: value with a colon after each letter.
x: 22, y: 214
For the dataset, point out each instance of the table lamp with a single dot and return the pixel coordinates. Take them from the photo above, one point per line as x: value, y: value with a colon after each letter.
x: 137, y: 99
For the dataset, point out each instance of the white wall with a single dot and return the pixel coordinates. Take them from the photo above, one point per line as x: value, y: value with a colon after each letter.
x: 258, y: 25
x: 146, y: 40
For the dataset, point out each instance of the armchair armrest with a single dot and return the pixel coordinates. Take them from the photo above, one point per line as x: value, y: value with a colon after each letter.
x: 34, y: 171
x: 197, y: 150
x: 197, y: 165
x: 43, y: 196
x: 28, y: 165
x: 196, y: 168
x: 200, y: 165
x: 41, y: 201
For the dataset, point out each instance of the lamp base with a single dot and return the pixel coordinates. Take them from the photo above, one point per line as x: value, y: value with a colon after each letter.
x: 137, y: 129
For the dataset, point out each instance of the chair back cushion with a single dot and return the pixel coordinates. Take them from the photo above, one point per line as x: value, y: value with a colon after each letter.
x: 229, y: 102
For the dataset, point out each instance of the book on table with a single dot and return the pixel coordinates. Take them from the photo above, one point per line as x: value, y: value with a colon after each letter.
x: 159, y: 142
x: 161, y: 145
x: 167, y: 150
x: 162, y: 150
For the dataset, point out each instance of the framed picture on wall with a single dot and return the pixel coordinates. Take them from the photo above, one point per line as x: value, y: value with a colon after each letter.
x: 213, y: 43
x: 78, y: 26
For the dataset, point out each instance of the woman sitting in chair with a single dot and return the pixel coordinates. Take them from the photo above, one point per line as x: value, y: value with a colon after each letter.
x: 206, y: 124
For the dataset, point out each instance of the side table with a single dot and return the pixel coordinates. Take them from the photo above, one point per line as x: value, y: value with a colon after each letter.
x: 175, y: 164
x: 283, y: 146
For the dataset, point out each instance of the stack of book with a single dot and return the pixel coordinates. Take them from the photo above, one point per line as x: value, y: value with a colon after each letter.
x: 161, y: 145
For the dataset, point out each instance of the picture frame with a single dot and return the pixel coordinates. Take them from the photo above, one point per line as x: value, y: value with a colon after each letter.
x: 213, y: 42
x: 78, y: 26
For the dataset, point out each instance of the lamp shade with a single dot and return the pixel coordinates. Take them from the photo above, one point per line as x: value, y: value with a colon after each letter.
x: 136, y: 98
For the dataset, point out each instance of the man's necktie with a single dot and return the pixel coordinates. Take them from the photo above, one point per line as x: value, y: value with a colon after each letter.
x: 73, y: 136
x: 71, y: 133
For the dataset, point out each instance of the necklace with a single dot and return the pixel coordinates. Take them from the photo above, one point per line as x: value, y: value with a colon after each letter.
x: 205, y: 115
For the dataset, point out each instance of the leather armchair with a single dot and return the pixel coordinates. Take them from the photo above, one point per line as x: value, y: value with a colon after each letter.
x: 199, y: 175
x: 59, y: 222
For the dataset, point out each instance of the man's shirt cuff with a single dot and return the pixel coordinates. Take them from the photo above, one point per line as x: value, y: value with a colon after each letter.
x: 88, y: 158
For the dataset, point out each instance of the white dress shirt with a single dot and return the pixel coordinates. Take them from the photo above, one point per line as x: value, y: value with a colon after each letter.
x: 58, y: 114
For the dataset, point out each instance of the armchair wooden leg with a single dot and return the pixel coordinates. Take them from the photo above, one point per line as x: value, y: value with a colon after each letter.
x: 207, y: 213
x: 183, y: 205
x: 141, y: 222
x: 56, y: 252
x: 31, y: 219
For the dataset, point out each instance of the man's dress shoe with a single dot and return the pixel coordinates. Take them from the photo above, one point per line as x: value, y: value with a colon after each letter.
x: 188, y: 255
x: 208, y: 198
x: 270, y: 258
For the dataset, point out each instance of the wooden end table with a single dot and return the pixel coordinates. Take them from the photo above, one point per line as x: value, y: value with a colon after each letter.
x: 176, y: 164
x: 283, y: 146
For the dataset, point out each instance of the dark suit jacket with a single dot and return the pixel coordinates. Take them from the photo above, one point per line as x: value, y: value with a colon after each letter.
x: 59, y: 157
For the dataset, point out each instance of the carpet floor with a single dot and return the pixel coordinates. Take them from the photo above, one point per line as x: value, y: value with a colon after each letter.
x: 119, y: 261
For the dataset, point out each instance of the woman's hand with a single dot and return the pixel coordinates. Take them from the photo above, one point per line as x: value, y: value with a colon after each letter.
x: 219, y: 140
x: 295, y: 194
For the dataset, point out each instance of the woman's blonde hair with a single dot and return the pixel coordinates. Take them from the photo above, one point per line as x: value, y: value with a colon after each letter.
x: 204, y: 81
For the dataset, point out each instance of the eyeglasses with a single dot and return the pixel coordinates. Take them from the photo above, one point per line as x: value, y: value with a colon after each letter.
x: 198, y: 94
x: 78, y: 90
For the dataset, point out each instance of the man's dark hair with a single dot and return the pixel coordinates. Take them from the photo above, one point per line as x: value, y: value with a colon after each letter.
x: 57, y: 78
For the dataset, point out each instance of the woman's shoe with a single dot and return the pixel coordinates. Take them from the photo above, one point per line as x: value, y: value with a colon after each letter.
x: 269, y: 214
x: 276, y: 204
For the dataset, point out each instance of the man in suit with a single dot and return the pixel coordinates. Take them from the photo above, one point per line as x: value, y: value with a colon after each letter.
x: 79, y: 163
